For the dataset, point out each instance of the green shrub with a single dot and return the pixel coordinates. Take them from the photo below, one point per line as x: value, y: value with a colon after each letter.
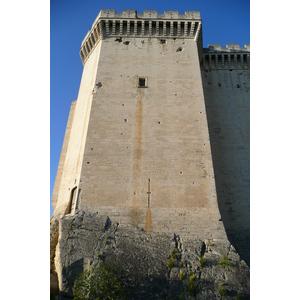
x: 181, y: 275
x: 101, y: 282
x: 193, y: 288
x: 170, y: 263
x: 173, y: 254
x: 192, y: 277
x: 201, y: 261
x: 225, y: 262
x: 222, y: 292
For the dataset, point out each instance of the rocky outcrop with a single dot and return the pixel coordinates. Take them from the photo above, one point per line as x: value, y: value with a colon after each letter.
x: 156, y: 265
x: 54, y: 221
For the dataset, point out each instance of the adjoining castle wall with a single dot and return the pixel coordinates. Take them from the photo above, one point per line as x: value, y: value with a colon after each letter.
x: 226, y: 85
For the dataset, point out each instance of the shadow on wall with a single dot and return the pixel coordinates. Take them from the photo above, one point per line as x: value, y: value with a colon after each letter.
x: 230, y: 161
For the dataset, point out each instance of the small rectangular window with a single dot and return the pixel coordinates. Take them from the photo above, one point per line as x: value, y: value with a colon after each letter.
x: 142, y: 82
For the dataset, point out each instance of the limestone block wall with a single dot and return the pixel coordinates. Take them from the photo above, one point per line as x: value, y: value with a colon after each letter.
x: 62, y: 158
x: 139, y: 148
x: 226, y: 85
x: 68, y: 178
x: 147, y: 148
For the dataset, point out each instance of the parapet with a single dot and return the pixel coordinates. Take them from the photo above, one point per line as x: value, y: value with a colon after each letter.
x: 129, y: 23
x: 231, y: 57
x: 229, y: 48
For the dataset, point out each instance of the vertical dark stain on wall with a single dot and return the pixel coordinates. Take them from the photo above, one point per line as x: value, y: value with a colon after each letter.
x: 137, y: 154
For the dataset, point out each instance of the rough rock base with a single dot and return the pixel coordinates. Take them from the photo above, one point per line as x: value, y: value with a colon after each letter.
x: 157, y: 265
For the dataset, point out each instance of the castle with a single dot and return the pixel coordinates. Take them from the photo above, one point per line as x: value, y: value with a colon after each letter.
x: 159, y: 134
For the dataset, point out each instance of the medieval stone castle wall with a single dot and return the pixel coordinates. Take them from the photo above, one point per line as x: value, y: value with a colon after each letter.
x: 226, y: 85
x: 139, y: 148
x: 158, y: 138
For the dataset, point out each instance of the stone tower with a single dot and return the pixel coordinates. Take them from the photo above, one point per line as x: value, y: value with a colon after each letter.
x: 137, y: 145
x: 155, y: 158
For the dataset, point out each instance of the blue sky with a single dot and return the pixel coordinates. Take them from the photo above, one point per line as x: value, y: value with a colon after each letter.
x: 224, y: 22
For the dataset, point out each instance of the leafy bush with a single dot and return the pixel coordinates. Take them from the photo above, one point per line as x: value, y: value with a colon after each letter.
x: 173, y: 253
x: 222, y: 292
x: 201, y: 261
x: 225, y: 262
x: 170, y: 263
x: 181, y: 275
x: 193, y: 289
x: 101, y: 282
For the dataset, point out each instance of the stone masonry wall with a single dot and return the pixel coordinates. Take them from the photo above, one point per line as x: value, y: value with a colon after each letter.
x: 147, y: 158
x: 227, y: 99
x: 69, y: 177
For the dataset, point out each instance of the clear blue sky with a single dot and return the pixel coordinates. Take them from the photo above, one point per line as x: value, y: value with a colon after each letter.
x: 224, y: 22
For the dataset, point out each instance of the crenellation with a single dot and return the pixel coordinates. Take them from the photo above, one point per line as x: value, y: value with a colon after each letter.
x: 171, y: 14
x: 191, y: 14
x: 169, y: 24
x: 128, y: 14
x: 226, y: 57
x: 228, y: 48
x: 148, y: 14
x: 108, y: 13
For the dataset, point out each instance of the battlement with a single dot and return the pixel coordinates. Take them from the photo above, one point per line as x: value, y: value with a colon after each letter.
x: 231, y: 57
x: 129, y: 23
x: 228, y: 48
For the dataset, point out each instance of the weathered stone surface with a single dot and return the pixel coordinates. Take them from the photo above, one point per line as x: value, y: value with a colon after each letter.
x: 87, y: 238
x: 53, y: 242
